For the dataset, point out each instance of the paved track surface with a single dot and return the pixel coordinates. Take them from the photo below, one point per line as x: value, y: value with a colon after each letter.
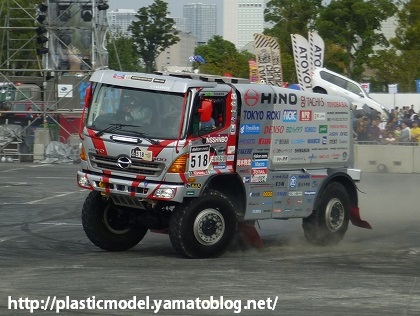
x: 45, y: 255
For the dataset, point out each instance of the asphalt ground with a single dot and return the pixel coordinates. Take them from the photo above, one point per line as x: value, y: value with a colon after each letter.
x: 46, y: 260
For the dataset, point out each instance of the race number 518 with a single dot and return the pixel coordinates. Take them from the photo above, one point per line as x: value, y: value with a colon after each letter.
x: 199, y: 158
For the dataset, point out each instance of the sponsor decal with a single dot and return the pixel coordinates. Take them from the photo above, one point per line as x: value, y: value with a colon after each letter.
x: 302, y: 150
x: 246, y: 151
x: 251, y: 97
x: 274, y: 129
x: 254, y: 194
x: 291, y: 129
x: 193, y: 185
x: 279, y: 98
x: 253, y: 115
x: 332, y: 104
x: 256, y: 211
x: 295, y: 193
x: 247, y: 141
x: 323, y: 129
x: 305, y: 116
x: 310, y: 129
x: 282, y: 151
x: 298, y: 141
x: 280, y: 159
x: 118, y: 76
x: 309, y: 192
x: 231, y: 150
x: 243, y: 162
x: 324, y: 140
x: 246, y: 179
x: 189, y: 193
x: 281, y: 193
x: 264, y: 141
x: 280, y: 183
x: 217, y: 139
x: 314, y: 141
x: 218, y: 159
x: 293, y: 182
x: 281, y: 141
x: 267, y: 194
x: 320, y: 116
x: 250, y: 129
x: 289, y: 116
x: 312, y: 157
x: 273, y: 115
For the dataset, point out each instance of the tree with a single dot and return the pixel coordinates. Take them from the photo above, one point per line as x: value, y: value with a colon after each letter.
x: 290, y: 17
x: 122, y: 53
x: 354, y: 25
x: 399, y: 64
x: 153, y: 32
x: 222, y: 57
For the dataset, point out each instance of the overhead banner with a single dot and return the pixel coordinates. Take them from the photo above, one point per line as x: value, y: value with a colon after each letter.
x: 267, y: 53
x: 301, y: 54
x: 276, y: 62
x: 317, y: 50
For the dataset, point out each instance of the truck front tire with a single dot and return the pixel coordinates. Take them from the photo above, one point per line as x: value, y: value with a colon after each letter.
x: 329, y: 222
x: 203, y: 227
x: 108, y: 227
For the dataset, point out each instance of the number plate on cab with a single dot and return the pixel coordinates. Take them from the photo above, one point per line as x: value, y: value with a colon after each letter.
x: 140, y: 153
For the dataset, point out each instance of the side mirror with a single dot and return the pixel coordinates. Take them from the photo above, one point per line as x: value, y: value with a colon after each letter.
x: 205, y: 110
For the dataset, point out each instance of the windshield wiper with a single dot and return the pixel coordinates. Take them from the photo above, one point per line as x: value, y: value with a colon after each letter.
x: 117, y: 126
x: 143, y: 135
x: 110, y: 128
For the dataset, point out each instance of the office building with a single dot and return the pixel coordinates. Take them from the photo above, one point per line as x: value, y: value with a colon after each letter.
x: 119, y: 20
x: 241, y: 19
x: 201, y: 20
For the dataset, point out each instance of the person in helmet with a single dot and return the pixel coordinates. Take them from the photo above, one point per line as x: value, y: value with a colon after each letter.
x: 142, y: 114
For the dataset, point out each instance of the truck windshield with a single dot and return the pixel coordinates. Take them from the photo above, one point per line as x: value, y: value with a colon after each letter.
x: 148, y: 113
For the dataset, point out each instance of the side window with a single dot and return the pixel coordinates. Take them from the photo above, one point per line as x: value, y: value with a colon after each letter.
x: 211, y: 115
x: 354, y: 88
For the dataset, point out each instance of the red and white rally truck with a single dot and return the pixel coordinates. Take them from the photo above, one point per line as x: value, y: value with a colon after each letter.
x: 202, y: 157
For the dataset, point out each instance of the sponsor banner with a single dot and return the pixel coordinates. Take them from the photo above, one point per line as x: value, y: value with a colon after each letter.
x: 317, y: 50
x: 253, y: 71
x: 263, y: 57
x: 302, y: 63
x: 276, y: 62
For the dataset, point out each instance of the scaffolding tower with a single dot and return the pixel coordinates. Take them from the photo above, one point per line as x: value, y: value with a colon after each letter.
x: 54, y: 45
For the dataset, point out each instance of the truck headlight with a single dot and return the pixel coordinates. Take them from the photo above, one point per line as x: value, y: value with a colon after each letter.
x: 164, y: 193
x: 83, y: 182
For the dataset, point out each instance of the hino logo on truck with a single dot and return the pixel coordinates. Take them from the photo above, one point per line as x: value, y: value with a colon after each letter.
x: 124, y: 162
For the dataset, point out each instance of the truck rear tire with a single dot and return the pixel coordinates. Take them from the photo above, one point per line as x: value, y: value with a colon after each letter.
x: 203, y: 227
x: 329, y: 222
x: 108, y: 227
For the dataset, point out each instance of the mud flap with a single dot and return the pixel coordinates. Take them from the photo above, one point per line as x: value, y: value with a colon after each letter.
x: 248, y: 234
x: 356, y: 220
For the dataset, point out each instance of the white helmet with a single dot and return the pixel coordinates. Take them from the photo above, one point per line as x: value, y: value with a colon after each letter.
x: 143, y: 115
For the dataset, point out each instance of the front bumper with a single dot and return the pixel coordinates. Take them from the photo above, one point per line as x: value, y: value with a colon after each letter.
x: 142, y: 189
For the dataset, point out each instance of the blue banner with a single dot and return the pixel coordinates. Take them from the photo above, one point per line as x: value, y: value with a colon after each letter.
x: 418, y: 85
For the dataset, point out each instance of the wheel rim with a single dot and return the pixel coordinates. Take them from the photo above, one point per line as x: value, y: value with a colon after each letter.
x: 335, y: 214
x: 114, y: 221
x: 209, y: 227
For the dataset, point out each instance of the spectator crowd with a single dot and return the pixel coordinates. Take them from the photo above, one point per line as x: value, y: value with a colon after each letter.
x: 402, y: 127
